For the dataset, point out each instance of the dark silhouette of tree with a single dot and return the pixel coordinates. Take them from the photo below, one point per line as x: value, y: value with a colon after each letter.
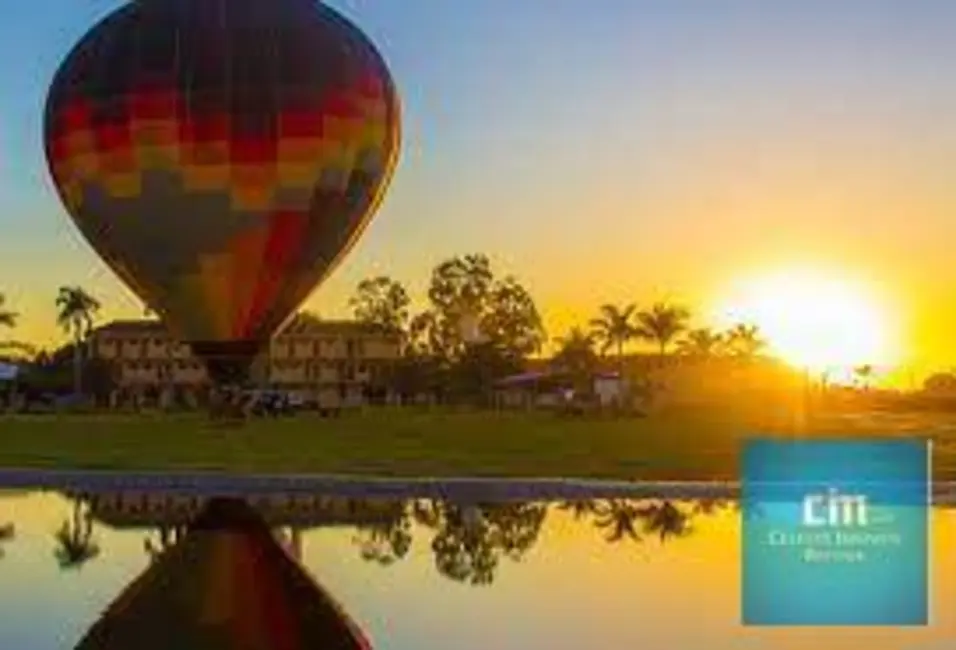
x: 864, y: 375
x: 576, y: 357
x: 387, y: 542
x: 473, y: 376
x: 661, y: 324
x: 75, y: 545
x: 666, y: 520
x: 167, y: 537
x: 710, y: 507
x: 702, y: 342
x: 382, y: 301
x: 8, y: 318
x: 76, y: 310
x: 7, y: 533
x: 744, y: 340
x: 471, y: 540
x: 579, y: 509
x: 620, y: 519
x: 940, y: 383
x: 473, y: 317
x: 614, y: 329
x: 512, y: 322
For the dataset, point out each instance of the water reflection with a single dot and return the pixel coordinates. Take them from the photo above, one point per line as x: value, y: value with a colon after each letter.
x: 225, y: 583
x: 7, y: 532
x: 564, y: 574
x: 468, y: 542
x: 75, y: 543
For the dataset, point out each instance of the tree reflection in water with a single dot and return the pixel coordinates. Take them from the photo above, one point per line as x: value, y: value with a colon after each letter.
x: 7, y: 532
x: 167, y: 537
x: 75, y: 545
x: 386, y: 542
x: 468, y: 541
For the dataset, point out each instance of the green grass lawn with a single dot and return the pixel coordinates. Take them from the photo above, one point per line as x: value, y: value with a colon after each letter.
x: 698, y: 444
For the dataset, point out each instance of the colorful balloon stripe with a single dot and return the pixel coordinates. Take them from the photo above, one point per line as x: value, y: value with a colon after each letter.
x: 222, y: 156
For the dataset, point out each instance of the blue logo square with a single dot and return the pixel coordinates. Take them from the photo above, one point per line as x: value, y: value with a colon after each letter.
x: 835, y: 532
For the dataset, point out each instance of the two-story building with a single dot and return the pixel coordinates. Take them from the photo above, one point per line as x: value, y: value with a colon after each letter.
x: 330, y: 361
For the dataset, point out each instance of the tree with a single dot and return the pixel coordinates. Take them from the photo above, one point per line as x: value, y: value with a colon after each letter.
x: 7, y: 532
x: 75, y: 545
x: 381, y: 301
x: 459, y: 293
x: 476, y: 326
x: 7, y: 318
x: 942, y: 383
x: 76, y: 310
x: 702, y: 342
x: 470, y: 540
x: 666, y: 520
x: 661, y: 324
x: 576, y: 356
x: 745, y: 341
x: 388, y: 541
x: 474, y: 373
x: 614, y: 329
x: 864, y: 374
x: 619, y: 519
x: 512, y: 322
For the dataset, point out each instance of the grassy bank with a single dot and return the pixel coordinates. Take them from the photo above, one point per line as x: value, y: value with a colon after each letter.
x: 697, y: 444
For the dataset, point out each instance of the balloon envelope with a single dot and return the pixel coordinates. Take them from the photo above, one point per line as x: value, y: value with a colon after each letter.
x: 222, y: 156
x: 227, y: 585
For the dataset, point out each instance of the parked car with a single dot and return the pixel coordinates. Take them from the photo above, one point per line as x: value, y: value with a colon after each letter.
x: 272, y: 403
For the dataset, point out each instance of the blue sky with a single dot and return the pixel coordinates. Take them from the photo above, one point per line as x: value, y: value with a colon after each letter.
x: 609, y: 150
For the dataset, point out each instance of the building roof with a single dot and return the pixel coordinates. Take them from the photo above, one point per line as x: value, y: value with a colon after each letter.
x: 144, y: 510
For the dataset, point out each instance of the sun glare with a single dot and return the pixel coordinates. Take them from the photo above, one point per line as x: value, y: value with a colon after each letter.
x: 814, y: 321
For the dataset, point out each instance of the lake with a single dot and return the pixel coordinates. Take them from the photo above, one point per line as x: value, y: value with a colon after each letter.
x: 585, y: 571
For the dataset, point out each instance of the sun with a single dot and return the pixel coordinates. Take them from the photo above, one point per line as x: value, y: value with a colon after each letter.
x: 814, y: 320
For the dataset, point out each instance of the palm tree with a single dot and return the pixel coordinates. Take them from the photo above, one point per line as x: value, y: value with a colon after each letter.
x: 666, y: 520
x: 702, y: 342
x: 7, y: 318
x: 74, y: 539
x: 661, y: 324
x: 576, y: 355
x: 745, y: 340
x: 864, y: 375
x: 614, y: 329
x: 619, y: 518
x: 76, y: 310
x: 580, y: 508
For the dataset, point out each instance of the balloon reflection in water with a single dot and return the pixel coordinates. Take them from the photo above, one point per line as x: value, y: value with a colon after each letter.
x: 226, y: 585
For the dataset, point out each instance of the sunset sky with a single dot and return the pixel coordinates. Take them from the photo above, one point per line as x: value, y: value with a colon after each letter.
x: 707, y: 151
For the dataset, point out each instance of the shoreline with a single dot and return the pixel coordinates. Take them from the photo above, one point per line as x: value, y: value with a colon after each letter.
x: 359, y: 486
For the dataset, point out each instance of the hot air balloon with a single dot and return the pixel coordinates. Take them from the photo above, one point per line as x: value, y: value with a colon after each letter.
x: 222, y: 156
x: 227, y: 584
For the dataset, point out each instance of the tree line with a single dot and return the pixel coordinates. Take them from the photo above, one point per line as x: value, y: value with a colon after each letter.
x: 475, y: 326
